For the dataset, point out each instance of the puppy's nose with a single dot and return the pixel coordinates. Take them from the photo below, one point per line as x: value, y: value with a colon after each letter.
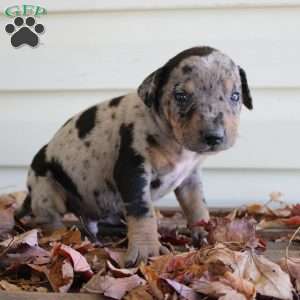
x: 214, y: 138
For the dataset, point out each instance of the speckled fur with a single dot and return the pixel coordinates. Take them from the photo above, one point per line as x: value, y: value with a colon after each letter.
x: 167, y: 144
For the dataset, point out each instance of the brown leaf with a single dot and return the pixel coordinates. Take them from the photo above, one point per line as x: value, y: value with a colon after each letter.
x: 79, y: 262
x: 121, y: 272
x: 292, y: 222
x: 61, y: 275
x: 29, y: 255
x: 139, y: 293
x: 183, y: 290
x: 8, y: 206
x: 9, y: 287
x: 112, y: 287
x: 55, y: 236
x: 267, y: 277
x: 218, y: 289
x: 97, y: 258
x: 117, y: 255
x: 28, y: 238
x: 295, y: 210
x: 238, y: 232
x: 152, y: 278
x: 291, y: 265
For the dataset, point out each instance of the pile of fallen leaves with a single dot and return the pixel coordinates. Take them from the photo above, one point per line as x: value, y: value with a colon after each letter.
x: 230, y: 266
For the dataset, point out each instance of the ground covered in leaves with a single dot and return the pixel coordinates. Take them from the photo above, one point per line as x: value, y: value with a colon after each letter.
x: 231, y: 265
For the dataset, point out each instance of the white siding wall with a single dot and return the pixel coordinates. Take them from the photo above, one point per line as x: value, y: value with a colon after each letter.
x: 93, y: 50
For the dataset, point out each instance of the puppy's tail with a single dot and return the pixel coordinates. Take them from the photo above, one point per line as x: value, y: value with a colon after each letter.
x: 25, y: 209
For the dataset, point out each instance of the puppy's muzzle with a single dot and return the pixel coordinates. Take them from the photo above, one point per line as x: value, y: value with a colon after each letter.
x: 214, y: 137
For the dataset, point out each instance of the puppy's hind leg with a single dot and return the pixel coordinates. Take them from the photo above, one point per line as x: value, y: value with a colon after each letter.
x: 48, y: 202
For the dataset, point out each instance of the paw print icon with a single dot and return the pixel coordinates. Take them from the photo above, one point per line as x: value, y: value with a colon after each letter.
x: 24, y: 32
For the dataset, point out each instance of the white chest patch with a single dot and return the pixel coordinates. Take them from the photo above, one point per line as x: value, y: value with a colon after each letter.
x: 170, y: 181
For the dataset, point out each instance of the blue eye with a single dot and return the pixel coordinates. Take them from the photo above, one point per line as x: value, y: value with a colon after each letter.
x: 235, y: 97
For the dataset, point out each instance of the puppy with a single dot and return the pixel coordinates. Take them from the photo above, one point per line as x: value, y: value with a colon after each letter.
x: 117, y: 157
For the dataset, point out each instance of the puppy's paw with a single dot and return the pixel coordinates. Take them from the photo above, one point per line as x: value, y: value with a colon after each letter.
x: 199, y: 237
x: 143, y: 240
x: 140, y: 252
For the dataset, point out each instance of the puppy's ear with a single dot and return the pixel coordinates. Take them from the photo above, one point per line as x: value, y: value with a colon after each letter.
x: 148, y: 88
x: 247, y: 99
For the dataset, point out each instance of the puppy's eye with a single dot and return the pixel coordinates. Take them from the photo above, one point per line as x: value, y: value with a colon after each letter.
x: 235, y: 97
x: 181, y: 97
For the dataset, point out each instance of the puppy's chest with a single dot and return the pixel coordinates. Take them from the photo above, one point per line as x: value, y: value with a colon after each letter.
x: 170, y: 177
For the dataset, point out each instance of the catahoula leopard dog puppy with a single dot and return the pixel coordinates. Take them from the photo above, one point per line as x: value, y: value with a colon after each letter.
x: 119, y: 156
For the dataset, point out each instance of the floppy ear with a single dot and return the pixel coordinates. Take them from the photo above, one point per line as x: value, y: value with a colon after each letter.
x: 247, y: 99
x: 148, y: 88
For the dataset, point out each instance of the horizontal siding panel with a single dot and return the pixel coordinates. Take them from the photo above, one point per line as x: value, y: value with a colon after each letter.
x: 222, y: 187
x: 92, y: 5
x: 268, y: 135
x: 116, y: 50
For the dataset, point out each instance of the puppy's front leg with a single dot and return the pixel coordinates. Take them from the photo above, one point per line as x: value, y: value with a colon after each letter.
x: 133, y: 183
x: 191, y: 199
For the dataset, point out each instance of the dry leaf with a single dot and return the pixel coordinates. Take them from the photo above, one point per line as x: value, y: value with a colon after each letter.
x: 121, y: 272
x: 153, y: 280
x: 117, y: 255
x: 268, y: 277
x: 9, y: 287
x: 29, y: 255
x: 55, y: 236
x: 79, y: 262
x: 291, y: 265
x: 139, y: 293
x: 239, y: 284
x: 115, y: 288
x: 292, y: 222
x: 7, y: 210
x: 183, y: 290
x: 239, y: 232
x: 218, y: 289
x: 97, y: 258
x: 61, y: 275
x: 29, y: 238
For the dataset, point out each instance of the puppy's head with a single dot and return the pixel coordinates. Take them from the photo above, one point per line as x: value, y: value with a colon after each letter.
x: 199, y: 93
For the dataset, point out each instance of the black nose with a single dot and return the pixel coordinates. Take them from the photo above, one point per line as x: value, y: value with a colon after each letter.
x: 214, y: 139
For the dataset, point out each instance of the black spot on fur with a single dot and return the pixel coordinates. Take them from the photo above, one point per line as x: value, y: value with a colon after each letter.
x: 87, y: 144
x: 152, y: 141
x: 39, y: 163
x: 26, y: 207
x: 247, y: 99
x: 110, y: 186
x: 155, y: 184
x: 137, y: 208
x: 73, y: 204
x: 187, y: 69
x: 129, y: 174
x: 221, y: 98
x: 96, y: 193
x: 161, y: 76
x: 113, y: 115
x: 86, y: 122
x: 115, y: 101
x: 61, y: 176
